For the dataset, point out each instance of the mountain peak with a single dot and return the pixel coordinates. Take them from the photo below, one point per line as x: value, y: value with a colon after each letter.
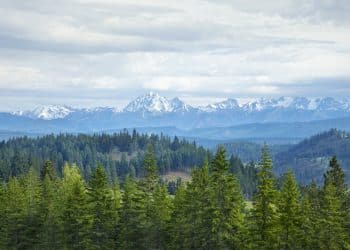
x: 151, y: 102
x: 49, y: 112
x: 228, y: 104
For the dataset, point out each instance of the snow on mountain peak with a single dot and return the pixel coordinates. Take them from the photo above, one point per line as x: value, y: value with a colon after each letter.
x: 153, y: 102
x: 50, y: 112
x: 227, y: 104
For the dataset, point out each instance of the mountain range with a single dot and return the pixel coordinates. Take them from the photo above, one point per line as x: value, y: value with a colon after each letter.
x: 153, y: 103
x: 155, y: 112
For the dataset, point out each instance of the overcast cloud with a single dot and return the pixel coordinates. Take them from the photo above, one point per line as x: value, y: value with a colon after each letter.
x: 107, y: 52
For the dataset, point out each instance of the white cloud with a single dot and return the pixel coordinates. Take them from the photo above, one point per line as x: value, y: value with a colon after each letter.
x: 94, y: 51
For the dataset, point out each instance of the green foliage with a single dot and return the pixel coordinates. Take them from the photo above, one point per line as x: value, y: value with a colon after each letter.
x: 208, y: 214
x: 310, y: 158
x: 336, y: 176
x: 74, y: 209
x: 289, y: 208
x: 226, y: 205
x: 264, y: 217
x: 48, y: 171
x: 101, y: 211
x: 40, y: 210
x: 121, y: 154
x: 332, y: 234
x: 133, y: 217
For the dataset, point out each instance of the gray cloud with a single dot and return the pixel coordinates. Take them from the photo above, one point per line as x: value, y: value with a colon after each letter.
x: 105, y: 52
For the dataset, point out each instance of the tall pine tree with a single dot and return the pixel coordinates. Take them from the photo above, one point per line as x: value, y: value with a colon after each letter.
x: 74, y: 208
x: 227, y: 205
x: 101, y: 207
x: 264, y: 216
x: 290, y: 219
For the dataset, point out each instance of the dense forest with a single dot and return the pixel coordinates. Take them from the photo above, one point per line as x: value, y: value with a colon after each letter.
x: 121, y: 154
x: 45, y: 211
x: 309, y: 158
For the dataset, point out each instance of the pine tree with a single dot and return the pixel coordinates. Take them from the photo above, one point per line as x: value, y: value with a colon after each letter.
x: 180, y: 227
x: 2, y: 215
x: 74, y: 209
x: 161, y: 217
x: 336, y: 176
x: 116, y: 207
x: 226, y: 204
x: 49, y: 171
x: 290, y: 219
x: 198, y: 213
x: 32, y: 220
x: 264, y: 215
x: 311, y: 217
x: 101, y: 207
x: 133, y: 218
x: 50, y: 235
x: 148, y: 185
x: 151, y: 177
x: 332, y: 234
x: 13, y: 215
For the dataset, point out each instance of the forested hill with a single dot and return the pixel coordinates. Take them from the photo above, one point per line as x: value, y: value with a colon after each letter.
x: 309, y: 158
x: 120, y: 154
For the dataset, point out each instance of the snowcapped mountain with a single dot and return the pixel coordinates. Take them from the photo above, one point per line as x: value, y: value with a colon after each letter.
x: 228, y: 104
x: 290, y: 103
x: 151, y: 102
x: 179, y: 106
x: 153, y: 110
x: 154, y: 103
x: 53, y: 112
x: 50, y: 112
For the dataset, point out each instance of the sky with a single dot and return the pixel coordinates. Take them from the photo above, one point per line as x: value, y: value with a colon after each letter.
x: 87, y: 53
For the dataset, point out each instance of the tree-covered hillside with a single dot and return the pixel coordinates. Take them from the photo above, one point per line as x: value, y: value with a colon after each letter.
x: 250, y: 151
x: 44, y: 211
x: 120, y: 154
x: 309, y: 158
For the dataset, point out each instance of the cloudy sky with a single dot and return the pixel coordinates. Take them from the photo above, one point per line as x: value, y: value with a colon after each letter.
x: 107, y: 52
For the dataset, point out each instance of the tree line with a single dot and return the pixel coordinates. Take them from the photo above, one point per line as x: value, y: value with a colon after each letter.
x: 45, y: 211
x: 121, y: 153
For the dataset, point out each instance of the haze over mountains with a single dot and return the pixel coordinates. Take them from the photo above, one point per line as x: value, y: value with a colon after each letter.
x: 232, y: 118
x: 155, y: 104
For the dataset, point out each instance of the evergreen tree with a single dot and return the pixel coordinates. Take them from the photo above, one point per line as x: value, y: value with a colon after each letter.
x: 180, y: 227
x: 290, y: 219
x: 311, y: 217
x: 149, y: 185
x: 226, y: 204
x: 32, y: 220
x: 336, y: 176
x: 151, y: 177
x: 49, y: 171
x: 101, y: 207
x: 50, y: 233
x: 75, y: 209
x: 132, y: 217
x: 161, y: 218
x: 264, y: 217
x: 13, y: 215
x: 332, y: 234
x: 199, y: 212
x: 116, y: 207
